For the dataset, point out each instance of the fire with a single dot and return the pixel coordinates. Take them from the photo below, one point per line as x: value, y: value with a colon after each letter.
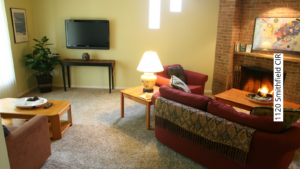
x: 264, y: 91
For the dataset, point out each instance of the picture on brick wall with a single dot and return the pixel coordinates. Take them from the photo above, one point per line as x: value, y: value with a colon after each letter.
x: 18, y: 17
x: 277, y: 35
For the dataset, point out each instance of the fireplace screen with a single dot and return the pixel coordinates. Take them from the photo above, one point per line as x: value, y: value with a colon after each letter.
x: 253, y: 79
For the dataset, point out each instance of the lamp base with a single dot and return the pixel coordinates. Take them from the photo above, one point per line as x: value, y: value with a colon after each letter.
x: 148, y: 90
x: 148, y: 80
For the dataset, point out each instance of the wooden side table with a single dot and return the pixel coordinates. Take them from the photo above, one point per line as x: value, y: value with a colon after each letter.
x: 134, y: 94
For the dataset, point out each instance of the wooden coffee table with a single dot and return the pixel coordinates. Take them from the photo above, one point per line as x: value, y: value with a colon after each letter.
x: 134, y: 94
x: 57, y: 127
x: 237, y: 98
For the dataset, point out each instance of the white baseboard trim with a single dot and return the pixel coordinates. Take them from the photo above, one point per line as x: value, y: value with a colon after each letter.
x: 90, y: 87
x: 21, y: 94
x: 208, y: 91
x: 106, y: 87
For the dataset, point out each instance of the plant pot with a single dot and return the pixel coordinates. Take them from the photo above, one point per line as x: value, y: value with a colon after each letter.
x: 44, y: 83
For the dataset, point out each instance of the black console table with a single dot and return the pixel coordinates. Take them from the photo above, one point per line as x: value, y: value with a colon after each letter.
x: 93, y: 62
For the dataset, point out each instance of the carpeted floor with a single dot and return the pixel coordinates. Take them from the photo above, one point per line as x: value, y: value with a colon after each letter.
x: 100, y: 138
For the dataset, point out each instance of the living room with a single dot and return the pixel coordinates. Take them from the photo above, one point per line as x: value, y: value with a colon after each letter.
x: 194, y: 38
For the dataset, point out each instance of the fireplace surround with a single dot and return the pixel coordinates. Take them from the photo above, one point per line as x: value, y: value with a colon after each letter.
x: 252, y: 79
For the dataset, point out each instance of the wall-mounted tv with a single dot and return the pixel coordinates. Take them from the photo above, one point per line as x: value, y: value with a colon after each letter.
x: 87, y: 34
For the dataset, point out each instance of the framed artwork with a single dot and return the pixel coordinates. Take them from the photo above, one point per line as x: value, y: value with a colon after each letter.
x: 277, y: 35
x: 18, y: 17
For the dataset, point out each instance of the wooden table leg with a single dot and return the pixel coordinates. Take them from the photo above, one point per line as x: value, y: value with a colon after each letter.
x: 56, y: 129
x: 148, y: 116
x: 122, y: 105
x: 70, y: 116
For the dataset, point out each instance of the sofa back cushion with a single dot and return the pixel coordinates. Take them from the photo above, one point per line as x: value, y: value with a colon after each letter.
x: 262, y: 123
x: 176, y: 83
x: 176, y: 71
x: 194, y: 100
x: 165, y: 72
x: 290, y: 115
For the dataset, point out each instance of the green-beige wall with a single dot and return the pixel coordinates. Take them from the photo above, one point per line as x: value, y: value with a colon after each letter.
x: 187, y: 38
x: 23, y: 74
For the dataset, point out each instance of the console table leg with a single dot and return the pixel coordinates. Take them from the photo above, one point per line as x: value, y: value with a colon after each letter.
x: 68, y: 72
x: 112, y: 76
x: 63, y: 73
x: 109, y: 74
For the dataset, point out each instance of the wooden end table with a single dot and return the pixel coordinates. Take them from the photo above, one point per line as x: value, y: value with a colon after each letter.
x: 237, y: 98
x: 57, y: 127
x: 134, y: 94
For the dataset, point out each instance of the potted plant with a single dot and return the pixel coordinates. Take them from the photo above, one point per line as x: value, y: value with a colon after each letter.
x: 43, y: 62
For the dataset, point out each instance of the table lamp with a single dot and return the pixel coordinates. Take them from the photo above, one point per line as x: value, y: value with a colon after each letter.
x: 149, y: 64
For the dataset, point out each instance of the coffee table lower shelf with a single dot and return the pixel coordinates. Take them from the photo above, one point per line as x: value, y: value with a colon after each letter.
x: 64, y: 125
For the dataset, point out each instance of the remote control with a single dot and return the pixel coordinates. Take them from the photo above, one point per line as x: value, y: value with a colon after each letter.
x: 48, y: 105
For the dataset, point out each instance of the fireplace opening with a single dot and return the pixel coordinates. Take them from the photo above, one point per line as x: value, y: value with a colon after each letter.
x: 254, y: 80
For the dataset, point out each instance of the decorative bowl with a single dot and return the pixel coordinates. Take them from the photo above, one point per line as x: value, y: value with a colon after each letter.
x: 23, y: 103
x: 259, y: 99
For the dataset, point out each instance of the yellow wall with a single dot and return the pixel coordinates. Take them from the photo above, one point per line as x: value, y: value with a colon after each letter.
x: 187, y: 38
x: 19, y: 50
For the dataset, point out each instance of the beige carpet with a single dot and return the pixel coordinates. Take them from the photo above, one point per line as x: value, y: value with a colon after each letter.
x: 100, y: 138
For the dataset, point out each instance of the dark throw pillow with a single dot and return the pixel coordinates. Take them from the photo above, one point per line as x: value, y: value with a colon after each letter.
x: 178, y: 72
x: 176, y: 83
x: 5, y: 130
x: 290, y: 115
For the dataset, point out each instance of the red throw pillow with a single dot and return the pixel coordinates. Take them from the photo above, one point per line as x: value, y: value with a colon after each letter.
x: 261, y: 123
x: 194, y: 100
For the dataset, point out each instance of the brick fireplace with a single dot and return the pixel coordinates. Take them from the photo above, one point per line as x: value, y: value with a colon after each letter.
x: 236, y: 23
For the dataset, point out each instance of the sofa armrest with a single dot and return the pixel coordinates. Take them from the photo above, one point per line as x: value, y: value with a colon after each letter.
x: 162, y: 80
x: 290, y: 139
x: 154, y: 97
x: 284, y: 142
x: 29, y: 145
x: 195, y: 78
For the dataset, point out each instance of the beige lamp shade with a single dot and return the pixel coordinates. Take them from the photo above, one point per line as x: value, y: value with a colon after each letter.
x: 150, y: 63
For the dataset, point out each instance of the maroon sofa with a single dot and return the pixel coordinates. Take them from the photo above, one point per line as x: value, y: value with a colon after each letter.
x: 195, y: 81
x: 268, y: 149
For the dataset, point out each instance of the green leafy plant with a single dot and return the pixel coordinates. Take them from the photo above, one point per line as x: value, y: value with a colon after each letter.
x: 41, y: 59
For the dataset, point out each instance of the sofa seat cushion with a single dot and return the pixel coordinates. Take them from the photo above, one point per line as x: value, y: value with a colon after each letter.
x: 261, y: 123
x: 194, y: 100
x: 196, y: 89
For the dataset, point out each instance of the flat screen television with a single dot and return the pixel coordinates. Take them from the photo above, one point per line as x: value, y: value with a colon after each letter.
x: 87, y: 34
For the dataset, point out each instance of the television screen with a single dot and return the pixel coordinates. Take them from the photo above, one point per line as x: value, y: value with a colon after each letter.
x: 87, y: 34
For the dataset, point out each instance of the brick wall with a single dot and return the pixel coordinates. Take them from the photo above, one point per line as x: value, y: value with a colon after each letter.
x: 228, y: 32
x: 250, y: 10
x: 265, y: 8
